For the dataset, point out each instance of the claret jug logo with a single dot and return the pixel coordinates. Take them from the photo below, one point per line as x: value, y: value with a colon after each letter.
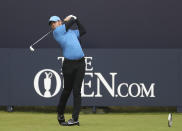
x: 47, y: 82
x: 123, y: 89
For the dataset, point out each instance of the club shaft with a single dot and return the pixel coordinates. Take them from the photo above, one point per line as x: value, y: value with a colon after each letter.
x: 41, y: 38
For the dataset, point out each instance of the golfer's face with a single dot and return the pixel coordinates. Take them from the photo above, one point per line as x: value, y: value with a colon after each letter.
x: 55, y: 24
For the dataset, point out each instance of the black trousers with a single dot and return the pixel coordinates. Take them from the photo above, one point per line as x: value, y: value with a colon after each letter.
x: 73, y: 73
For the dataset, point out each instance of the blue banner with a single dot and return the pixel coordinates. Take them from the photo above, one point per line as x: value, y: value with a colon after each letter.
x: 113, y: 77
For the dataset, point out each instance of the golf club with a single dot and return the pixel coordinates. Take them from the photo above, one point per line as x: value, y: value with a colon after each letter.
x: 31, y: 46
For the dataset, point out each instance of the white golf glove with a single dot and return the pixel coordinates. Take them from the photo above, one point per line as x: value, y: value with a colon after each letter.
x: 73, y: 16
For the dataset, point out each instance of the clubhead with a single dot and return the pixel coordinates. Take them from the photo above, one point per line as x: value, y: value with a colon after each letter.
x: 170, y: 120
x: 31, y: 48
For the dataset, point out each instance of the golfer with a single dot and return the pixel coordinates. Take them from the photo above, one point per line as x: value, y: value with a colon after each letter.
x: 73, y: 65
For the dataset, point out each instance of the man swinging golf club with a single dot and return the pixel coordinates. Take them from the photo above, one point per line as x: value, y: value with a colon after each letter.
x: 73, y: 65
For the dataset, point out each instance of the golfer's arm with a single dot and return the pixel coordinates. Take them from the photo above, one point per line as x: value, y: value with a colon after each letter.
x: 81, y: 28
x: 69, y: 23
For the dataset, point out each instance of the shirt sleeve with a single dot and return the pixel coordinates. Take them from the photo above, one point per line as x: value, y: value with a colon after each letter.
x: 60, y: 29
x: 76, y: 32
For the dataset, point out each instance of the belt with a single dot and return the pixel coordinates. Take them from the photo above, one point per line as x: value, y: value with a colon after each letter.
x: 77, y: 60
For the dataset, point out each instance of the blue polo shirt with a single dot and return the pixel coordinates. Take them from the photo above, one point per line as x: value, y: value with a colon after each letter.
x: 68, y: 40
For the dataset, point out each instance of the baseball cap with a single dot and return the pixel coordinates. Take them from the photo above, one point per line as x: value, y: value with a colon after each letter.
x: 54, y: 18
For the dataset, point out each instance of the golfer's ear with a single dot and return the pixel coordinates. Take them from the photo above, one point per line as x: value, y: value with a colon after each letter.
x: 59, y: 22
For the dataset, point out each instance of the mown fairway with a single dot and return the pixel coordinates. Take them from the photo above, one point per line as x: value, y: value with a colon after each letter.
x: 27, y: 121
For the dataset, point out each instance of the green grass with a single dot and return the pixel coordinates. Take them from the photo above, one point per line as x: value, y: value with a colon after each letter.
x: 27, y: 121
